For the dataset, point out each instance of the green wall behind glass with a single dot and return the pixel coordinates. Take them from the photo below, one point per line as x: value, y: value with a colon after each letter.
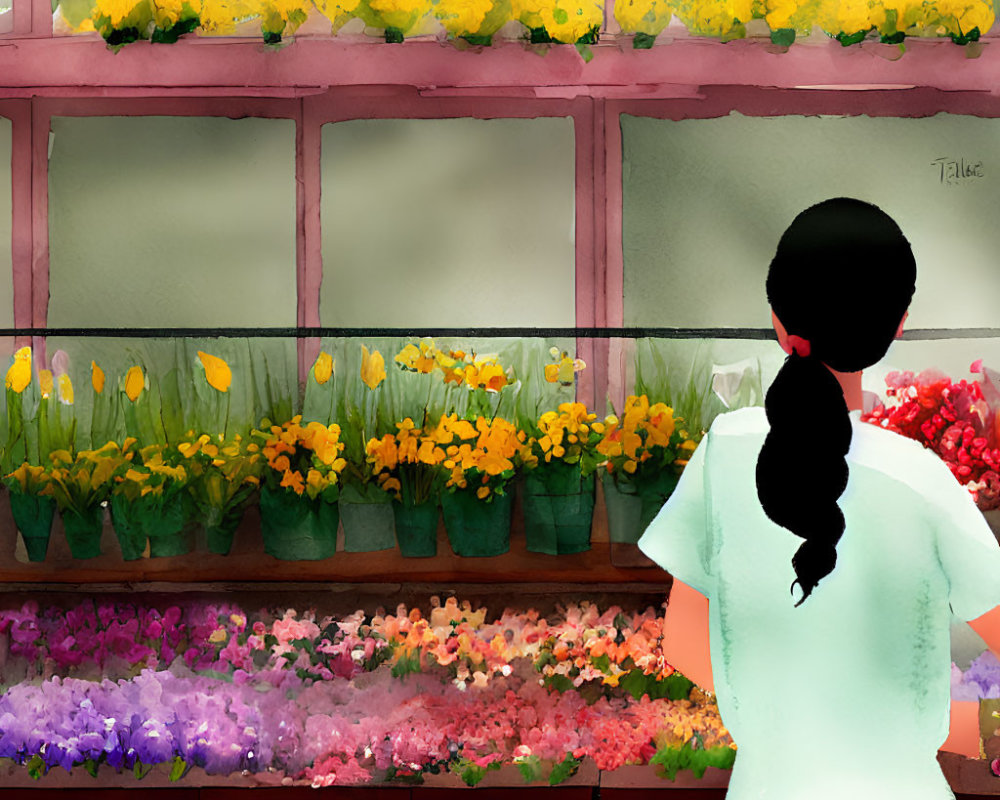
x: 172, y: 222
x: 705, y: 202
x: 448, y: 222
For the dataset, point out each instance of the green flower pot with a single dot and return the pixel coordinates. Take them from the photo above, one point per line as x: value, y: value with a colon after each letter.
x: 367, y: 526
x: 33, y: 516
x: 169, y: 528
x: 295, y: 528
x: 128, y: 527
x: 84, y: 532
x: 558, y: 509
x: 416, y: 528
x: 624, y: 510
x: 477, y: 528
x: 653, y: 494
x: 220, y: 528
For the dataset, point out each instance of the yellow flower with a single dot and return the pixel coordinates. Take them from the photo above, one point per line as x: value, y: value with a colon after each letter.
x: 65, y: 390
x: 45, y: 382
x: 217, y: 371
x: 19, y: 374
x: 134, y: 382
x: 96, y: 377
x: 323, y: 369
x: 372, y: 367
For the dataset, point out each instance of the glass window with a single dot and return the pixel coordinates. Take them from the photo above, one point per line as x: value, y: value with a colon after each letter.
x: 172, y: 222
x: 448, y: 222
x: 705, y: 201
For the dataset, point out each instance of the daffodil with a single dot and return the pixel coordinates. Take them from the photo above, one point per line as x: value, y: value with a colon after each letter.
x: 372, y: 367
x: 45, y: 384
x: 134, y: 383
x: 96, y: 377
x: 65, y: 390
x: 19, y: 374
x: 217, y: 371
x: 323, y: 369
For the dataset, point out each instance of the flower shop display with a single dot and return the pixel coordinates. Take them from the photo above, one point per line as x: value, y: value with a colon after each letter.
x: 477, y: 502
x: 298, y: 497
x: 223, y: 481
x: 33, y: 512
x: 409, y: 464
x: 81, y: 485
x: 345, y: 700
x: 365, y: 507
x: 559, y: 482
x: 957, y: 420
x: 645, y: 453
x: 150, y: 502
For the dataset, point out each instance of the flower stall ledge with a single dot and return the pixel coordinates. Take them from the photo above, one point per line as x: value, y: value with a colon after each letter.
x: 247, y: 560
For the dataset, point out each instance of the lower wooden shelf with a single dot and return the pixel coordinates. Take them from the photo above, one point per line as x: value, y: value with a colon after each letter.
x: 966, y: 777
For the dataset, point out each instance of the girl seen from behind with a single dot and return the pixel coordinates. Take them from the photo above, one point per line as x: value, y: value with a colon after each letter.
x: 830, y: 553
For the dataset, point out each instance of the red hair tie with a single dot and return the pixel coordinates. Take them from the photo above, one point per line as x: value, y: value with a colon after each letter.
x: 801, y: 347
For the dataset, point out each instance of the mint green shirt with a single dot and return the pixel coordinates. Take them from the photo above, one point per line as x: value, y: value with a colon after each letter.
x: 846, y: 696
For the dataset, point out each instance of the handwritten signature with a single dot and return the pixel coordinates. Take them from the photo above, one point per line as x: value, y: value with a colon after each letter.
x: 953, y: 171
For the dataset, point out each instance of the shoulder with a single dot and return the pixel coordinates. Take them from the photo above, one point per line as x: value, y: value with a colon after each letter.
x: 749, y: 420
x: 903, y: 458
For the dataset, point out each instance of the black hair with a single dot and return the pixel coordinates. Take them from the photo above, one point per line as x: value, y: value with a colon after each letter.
x: 842, y: 278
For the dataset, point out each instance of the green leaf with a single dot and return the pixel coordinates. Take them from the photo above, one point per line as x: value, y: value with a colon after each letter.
x: 561, y: 771
x: 603, y: 663
x: 559, y: 682
x: 178, y: 769
x: 91, y: 766
x: 36, y: 766
x: 531, y: 768
x: 634, y: 682
x: 140, y: 770
x: 784, y: 37
x: 643, y: 41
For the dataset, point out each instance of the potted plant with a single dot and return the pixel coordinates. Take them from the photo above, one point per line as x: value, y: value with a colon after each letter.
x: 299, y: 493
x: 645, y: 453
x: 223, y: 479
x: 409, y: 465
x: 559, y: 480
x: 481, y: 460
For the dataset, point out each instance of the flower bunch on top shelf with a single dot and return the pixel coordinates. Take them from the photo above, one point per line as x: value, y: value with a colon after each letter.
x: 958, y: 421
x: 302, y: 459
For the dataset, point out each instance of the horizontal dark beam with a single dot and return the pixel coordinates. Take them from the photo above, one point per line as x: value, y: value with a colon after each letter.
x: 574, y: 333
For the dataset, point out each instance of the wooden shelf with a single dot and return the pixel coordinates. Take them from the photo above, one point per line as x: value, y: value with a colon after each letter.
x: 603, y: 563
x: 200, y: 65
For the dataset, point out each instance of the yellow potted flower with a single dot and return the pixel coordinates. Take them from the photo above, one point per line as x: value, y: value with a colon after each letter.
x: 481, y: 457
x: 223, y: 478
x: 645, y: 451
x: 298, y: 497
x: 395, y: 17
x: 645, y: 19
x: 473, y: 20
x: 149, y: 500
x: 80, y: 486
x: 409, y: 464
x: 33, y: 512
x: 559, y: 480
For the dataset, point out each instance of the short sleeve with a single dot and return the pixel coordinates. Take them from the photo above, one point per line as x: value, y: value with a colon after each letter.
x: 679, y: 537
x: 968, y: 550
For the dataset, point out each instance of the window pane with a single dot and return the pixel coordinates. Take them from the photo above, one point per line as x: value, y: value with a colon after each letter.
x: 705, y: 202
x: 6, y: 212
x: 172, y: 222
x: 448, y: 222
